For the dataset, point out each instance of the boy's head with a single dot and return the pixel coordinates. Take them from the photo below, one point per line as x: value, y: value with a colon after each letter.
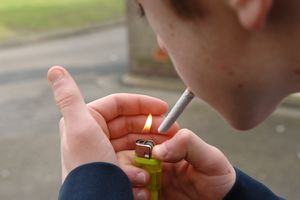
x: 240, y: 56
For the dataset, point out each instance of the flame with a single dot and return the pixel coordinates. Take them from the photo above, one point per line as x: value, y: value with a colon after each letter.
x: 148, y: 124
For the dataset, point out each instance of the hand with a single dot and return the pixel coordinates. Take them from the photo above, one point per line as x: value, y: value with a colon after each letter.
x: 192, y: 169
x: 95, y: 132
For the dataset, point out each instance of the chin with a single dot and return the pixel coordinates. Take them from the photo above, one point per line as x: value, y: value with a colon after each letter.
x: 248, y: 120
x: 242, y: 125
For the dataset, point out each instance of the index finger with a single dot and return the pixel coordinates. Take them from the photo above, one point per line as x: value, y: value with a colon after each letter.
x: 116, y: 105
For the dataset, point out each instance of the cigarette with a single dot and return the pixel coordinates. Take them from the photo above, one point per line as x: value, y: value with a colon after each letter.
x: 176, y: 111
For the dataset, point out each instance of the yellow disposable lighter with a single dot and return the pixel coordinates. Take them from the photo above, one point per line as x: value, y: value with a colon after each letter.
x: 144, y: 160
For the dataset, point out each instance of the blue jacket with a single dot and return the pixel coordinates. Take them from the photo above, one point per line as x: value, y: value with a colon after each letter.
x: 104, y: 181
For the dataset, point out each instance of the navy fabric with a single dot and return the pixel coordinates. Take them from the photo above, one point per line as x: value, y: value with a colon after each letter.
x: 108, y: 182
x: 246, y: 188
x: 96, y: 181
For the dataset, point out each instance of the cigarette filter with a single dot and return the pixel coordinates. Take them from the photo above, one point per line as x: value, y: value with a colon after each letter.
x: 143, y: 159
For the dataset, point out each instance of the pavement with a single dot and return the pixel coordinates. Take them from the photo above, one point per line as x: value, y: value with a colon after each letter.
x: 29, y: 137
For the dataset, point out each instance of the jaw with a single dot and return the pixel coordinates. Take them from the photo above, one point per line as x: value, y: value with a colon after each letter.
x: 247, y: 115
x: 246, y: 120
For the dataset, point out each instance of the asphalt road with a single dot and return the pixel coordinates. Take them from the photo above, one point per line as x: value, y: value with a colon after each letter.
x: 29, y: 139
x: 29, y: 143
x: 103, y: 51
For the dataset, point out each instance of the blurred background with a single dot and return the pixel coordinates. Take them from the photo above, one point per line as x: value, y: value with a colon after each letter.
x: 108, y: 49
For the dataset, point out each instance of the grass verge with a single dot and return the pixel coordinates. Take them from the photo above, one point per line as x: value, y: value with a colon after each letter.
x: 19, y: 17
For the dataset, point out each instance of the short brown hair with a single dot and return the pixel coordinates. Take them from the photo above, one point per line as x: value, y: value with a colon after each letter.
x: 187, y: 9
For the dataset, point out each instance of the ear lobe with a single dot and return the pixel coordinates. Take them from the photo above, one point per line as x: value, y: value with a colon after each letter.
x: 252, y: 14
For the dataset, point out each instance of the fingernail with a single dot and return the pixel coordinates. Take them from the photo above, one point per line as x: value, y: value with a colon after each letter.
x: 141, y: 195
x: 55, y: 75
x: 141, y: 177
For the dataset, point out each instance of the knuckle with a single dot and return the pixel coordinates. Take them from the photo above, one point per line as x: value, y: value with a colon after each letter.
x: 185, y: 137
x: 217, y: 152
x: 64, y: 99
x: 116, y: 98
x: 185, y: 134
x: 129, y: 125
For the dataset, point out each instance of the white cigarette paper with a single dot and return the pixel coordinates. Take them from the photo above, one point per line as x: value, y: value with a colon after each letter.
x: 176, y: 111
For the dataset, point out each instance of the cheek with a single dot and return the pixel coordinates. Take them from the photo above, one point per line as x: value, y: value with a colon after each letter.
x: 191, y: 62
x: 209, y: 78
x: 194, y: 75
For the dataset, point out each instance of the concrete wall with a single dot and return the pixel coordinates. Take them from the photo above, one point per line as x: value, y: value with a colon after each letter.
x: 145, y: 56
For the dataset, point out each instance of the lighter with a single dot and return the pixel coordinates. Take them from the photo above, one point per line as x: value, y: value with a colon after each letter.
x: 143, y: 159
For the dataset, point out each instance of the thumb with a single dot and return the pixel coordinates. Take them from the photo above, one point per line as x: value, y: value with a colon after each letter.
x: 67, y: 95
x: 185, y: 145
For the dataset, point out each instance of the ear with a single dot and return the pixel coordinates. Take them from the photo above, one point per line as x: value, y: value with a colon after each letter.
x: 252, y: 14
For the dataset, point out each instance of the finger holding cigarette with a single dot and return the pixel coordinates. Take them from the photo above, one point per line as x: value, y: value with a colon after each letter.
x: 176, y: 111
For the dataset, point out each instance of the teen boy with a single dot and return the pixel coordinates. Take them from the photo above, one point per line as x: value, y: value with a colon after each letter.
x: 240, y: 56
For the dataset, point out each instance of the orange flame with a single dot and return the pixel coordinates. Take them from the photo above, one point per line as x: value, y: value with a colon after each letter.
x: 148, y: 124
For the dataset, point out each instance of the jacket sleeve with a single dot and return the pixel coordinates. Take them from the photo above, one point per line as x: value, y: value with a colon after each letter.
x: 96, y: 181
x: 246, y: 188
